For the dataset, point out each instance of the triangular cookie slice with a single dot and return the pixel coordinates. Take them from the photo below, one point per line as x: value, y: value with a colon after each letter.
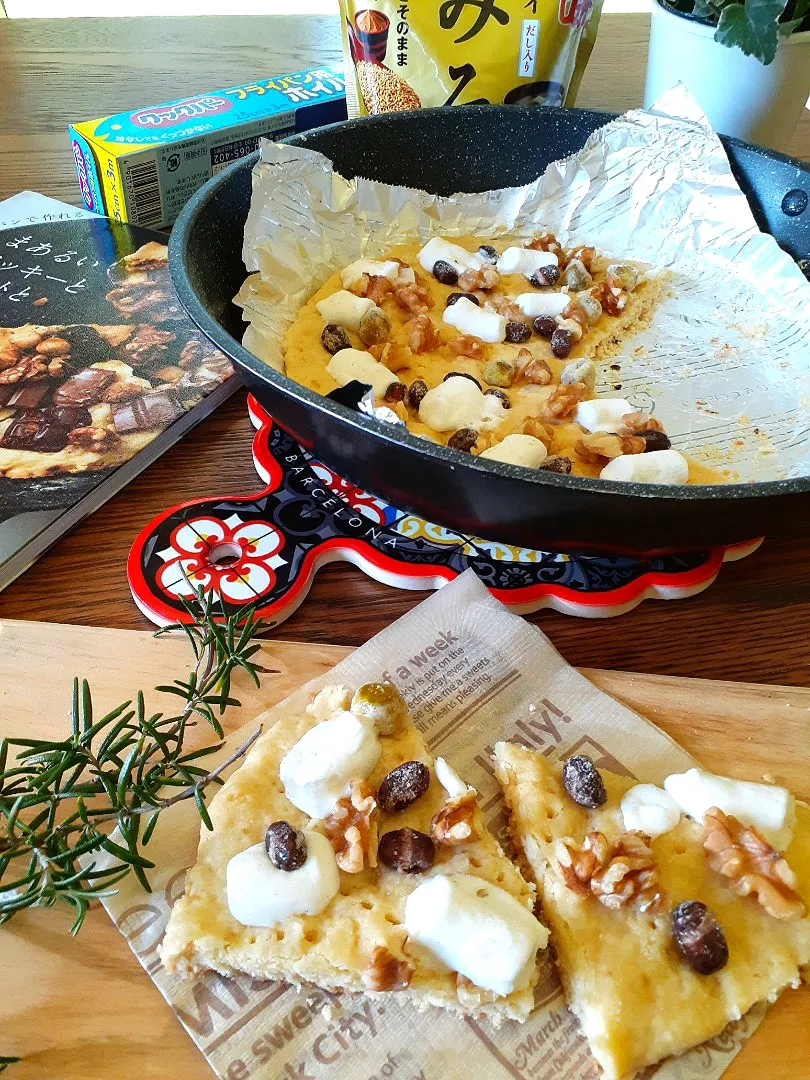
x: 343, y: 854
x: 641, y: 987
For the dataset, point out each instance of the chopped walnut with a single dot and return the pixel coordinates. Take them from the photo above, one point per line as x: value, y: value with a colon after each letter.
x: 376, y: 288
x: 466, y: 345
x: 454, y: 823
x: 600, y: 446
x: 424, y: 335
x: 584, y: 254
x: 352, y: 828
x: 147, y: 345
x: 413, y: 298
x: 384, y: 972
x: 754, y: 868
x: 487, y: 277
x: 546, y: 241
x: 619, y: 873
x: 471, y: 996
x: 137, y: 296
x: 330, y: 700
x: 563, y: 400
x: 394, y: 355
x: 575, y: 312
x: 97, y: 439
x: 635, y: 422
x: 610, y: 294
x: 190, y: 354
x: 27, y: 369
x: 533, y: 425
x: 532, y: 369
x: 506, y: 307
x: 573, y: 327
x: 123, y: 391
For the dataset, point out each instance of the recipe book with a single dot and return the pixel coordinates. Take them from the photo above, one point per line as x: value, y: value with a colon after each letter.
x: 100, y: 369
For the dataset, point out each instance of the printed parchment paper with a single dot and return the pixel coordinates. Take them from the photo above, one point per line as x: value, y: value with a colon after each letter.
x: 726, y: 363
x: 472, y: 673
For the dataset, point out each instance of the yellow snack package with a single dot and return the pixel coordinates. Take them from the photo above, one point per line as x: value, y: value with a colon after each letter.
x: 411, y: 54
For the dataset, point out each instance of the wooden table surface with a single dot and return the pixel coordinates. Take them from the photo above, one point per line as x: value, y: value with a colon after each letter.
x: 751, y: 624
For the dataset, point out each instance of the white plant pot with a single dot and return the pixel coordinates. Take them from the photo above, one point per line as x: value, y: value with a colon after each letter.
x: 740, y: 96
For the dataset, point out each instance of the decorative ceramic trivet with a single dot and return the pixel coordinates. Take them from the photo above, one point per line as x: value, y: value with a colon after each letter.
x: 265, y: 549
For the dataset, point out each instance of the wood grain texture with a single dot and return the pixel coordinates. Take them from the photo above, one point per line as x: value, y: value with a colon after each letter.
x: 748, y: 625
x: 83, y: 1008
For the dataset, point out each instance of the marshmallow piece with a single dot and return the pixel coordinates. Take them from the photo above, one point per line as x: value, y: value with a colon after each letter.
x: 449, y: 779
x: 602, y: 414
x: 471, y: 319
x: 517, y: 449
x: 769, y: 808
x: 650, y: 810
x: 259, y: 894
x: 458, y: 403
x: 657, y: 467
x: 549, y: 304
x: 519, y: 260
x: 348, y: 364
x: 459, y: 258
x: 316, y: 772
x: 475, y: 928
x: 344, y: 308
x: 354, y: 271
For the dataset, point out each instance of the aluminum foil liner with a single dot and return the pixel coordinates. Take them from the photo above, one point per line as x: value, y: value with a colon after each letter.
x: 725, y: 364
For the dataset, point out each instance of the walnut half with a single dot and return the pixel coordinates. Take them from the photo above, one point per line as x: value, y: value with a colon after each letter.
x: 352, y: 828
x: 454, y: 823
x: 384, y: 972
x: 620, y: 873
x: 753, y: 868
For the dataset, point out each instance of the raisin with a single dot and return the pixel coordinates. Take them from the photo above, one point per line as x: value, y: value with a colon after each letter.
x: 406, y: 850
x: 544, y: 326
x: 403, y: 786
x: 445, y: 272
x: 544, y: 276
x: 451, y: 299
x: 699, y: 938
x: 416, y: 391
x: 561, y: 342
x: 286, y: 847
x: 88, y: 342
x: 655, y: 440
x: 463, y: 439
x: 396, y: 392
x: 461, y: 375
x: 582, y: 781
x: 517, y: 332
x: 501, y: 395
x: 488, y: 253
x: 556, y: 463
x: 334, y: 338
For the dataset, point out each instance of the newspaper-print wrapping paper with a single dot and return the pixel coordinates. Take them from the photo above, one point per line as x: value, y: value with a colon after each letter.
x: 726, y: 362
x: 472, y: 673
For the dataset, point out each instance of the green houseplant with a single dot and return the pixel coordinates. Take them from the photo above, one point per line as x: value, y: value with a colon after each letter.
x: 746, y: 61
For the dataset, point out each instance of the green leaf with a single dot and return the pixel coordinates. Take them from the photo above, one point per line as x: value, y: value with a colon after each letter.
x: 5, y: 1061
x: 203, y: 810
x: 751, y: 27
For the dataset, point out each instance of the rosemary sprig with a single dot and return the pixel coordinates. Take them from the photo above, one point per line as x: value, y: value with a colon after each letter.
x: 61, y: 799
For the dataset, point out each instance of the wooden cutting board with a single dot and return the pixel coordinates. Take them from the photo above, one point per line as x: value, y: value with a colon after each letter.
x: 81, y: 1008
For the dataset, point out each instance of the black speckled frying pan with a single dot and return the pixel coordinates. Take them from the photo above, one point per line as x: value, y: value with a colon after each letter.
x: 476, y: 148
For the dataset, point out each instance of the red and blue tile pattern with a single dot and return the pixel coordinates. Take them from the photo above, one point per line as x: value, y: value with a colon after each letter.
x: 265, y: 549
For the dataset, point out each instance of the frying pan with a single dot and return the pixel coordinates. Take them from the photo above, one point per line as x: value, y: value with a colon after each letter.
x: 477, y: 148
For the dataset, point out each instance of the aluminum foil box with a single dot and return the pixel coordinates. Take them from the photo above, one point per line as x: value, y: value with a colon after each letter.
x: 142, y: 166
